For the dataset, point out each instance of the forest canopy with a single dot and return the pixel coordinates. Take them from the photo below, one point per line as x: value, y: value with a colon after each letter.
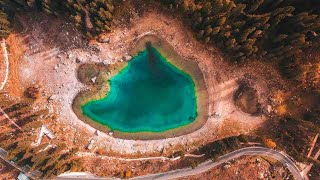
x: 243, y: 29
x: 93, y: 17
x: 254, y: 28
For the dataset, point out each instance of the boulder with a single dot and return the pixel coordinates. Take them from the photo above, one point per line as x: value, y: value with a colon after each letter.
x: 69, y: 56
x: 127, y: 57
x: 269, y: 108
x: 97, y: 133
x: 94, y: 79
x: 106, y: 62
x: 104, y: 39
x: 53, y: 97
x: 90, y: 146
x: 78, y: 60
x: 216, y: 115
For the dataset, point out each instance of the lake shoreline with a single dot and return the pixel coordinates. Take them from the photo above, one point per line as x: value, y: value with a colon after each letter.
x: 187, y: 66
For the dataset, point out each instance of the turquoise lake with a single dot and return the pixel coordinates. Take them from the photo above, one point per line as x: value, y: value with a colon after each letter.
x: 148, y: 95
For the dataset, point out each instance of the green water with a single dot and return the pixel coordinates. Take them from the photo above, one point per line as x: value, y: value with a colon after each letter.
x: 149, y: 94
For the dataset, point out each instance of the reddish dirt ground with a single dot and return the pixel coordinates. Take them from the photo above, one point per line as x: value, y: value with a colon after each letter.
x: 7, y: 172
x: 247, y: 167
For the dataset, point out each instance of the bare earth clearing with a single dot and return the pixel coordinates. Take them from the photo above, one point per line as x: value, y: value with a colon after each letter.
x: 56, y: 72
x: 51, y: 58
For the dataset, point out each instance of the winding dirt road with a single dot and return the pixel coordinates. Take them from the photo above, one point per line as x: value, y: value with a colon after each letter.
x: 203, y: 167
x: 207, y: 165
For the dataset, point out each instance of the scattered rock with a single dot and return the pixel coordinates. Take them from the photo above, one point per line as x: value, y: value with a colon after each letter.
x: 53, y: 97
x: 261, y: 175
x: 95, y: 48
x: 127, y: 57
x: 269, y: 108
x: 227, y: 166
x: 98, y: 133
x: 160, y: 149
x: 78, y: 60
x: 110, y: 133
x: 104, y: 39
x: 105, y: 62
x: 90, y: 145
x: 258, y: 160
x: 216, y: 115
x: 69, y: 56
x: 94, y: 79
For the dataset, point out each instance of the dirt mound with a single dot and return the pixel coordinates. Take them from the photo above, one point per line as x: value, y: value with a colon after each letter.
x: 246, y: 98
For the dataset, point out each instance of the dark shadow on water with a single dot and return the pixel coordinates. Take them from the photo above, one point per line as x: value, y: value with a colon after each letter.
x: 152, y: 59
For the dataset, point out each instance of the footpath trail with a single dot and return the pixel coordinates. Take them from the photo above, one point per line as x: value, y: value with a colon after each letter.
x: 89, y: 154
x: 6, y: 61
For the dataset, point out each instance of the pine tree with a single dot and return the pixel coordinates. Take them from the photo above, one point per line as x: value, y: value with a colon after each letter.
x: 254, y: 6
x: 246, y: 33
x: 4, y: 25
